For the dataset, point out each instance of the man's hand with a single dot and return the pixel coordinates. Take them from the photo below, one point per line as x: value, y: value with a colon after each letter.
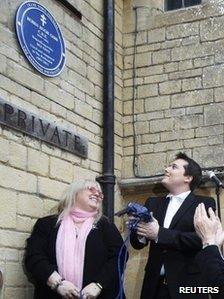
x: 91, y: 291
x: 149, y: 230
x: 209, y: 228
x: 219, y: 237
x: 68, y: 290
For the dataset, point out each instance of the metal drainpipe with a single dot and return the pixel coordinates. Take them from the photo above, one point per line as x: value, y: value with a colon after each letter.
x: 107, y: 180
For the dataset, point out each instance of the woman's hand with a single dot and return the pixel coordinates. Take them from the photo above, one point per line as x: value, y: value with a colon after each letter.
x: 68, y: 290
x: 91, y: 291
x: 54, y: 280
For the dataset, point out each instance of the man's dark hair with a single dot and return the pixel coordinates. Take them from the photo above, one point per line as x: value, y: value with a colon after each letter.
x: 192, y: 169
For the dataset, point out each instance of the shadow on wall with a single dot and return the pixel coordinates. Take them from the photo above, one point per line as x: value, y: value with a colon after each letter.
x: 1, y: 280
x: 135, y: 272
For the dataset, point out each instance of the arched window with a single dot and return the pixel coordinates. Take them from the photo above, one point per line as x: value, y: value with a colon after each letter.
x: 176, y: 4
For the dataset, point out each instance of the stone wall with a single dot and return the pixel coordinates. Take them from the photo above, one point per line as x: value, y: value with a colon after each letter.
x: 118, y: 101
x: 178, y: 105
x: 33, y: 175
x: 173, y: 87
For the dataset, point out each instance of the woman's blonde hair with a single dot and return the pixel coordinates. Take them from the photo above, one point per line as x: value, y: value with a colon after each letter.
x: 67, y: 202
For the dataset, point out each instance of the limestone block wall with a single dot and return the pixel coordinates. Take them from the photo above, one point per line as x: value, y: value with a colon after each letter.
x: 33, y: 175
x: 168, y: 97
x: 118, y: 101
x: 173, y: 85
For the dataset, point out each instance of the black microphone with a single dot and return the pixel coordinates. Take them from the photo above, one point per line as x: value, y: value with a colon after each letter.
x: 215, y: 179
x: 122, y: 212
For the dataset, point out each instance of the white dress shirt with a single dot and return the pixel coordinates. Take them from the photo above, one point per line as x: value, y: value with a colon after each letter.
x: 173, y: 206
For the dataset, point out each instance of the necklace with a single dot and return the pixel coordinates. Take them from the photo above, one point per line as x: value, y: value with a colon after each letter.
x: 76, y: 232
x: 77, y: 227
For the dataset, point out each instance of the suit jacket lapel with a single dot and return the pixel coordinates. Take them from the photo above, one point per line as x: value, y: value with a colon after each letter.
x: 189, y: 200
x: 161, y: 210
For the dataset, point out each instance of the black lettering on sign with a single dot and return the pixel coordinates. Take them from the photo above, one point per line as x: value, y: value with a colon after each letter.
x: 33, y: 125
x: 8, y: 110
x: 55, y: 135
x: 43, y: 128
x: 21, y: 119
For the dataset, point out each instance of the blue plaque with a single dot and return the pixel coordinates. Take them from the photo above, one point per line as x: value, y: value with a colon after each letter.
x: 40, y: 38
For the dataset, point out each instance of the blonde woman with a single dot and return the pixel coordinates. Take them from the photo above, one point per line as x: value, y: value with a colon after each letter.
x: 74, y: 254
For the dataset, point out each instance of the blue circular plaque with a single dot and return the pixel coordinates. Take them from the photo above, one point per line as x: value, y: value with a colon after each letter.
x: 40, y: 38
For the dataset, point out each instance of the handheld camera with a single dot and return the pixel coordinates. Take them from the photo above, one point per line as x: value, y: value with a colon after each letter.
x: 139, y: 212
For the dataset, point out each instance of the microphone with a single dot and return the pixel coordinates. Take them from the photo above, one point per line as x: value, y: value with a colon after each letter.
x: 122, y: 212
x: 215, y: 179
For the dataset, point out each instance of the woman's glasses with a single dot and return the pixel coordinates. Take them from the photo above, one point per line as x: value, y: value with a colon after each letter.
x: 94, y: 190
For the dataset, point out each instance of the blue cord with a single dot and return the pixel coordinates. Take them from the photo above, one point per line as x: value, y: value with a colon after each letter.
x: 132, y: 226
x: 123, y: 264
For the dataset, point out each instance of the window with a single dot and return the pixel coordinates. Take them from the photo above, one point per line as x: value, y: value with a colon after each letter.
x: 71, y: 8
x: 175, y: 4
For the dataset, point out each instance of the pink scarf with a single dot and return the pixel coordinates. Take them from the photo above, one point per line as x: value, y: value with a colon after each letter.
x: 70, y: 250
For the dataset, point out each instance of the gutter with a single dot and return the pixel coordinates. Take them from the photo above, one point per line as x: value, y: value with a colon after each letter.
x: 107, y: 180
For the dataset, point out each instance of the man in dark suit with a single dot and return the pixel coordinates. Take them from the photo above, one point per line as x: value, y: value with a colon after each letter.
x: 174, y: 242
x: 210, y: 258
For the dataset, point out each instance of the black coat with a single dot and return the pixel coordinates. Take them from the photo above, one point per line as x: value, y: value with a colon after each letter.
x: 101, y: 257
x: 176, y: 248
x: 211, y: 265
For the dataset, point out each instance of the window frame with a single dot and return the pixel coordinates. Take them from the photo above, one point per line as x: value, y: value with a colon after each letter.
x: 182, y: 7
